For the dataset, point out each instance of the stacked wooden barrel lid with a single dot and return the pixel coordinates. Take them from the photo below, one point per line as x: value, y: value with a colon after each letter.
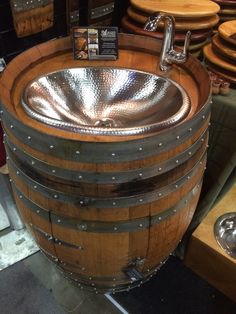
x: 200, y: 18
x: 220, y: 55
x: 227, y: 10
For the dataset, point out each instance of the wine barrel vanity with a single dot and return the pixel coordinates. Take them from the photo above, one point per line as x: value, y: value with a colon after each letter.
x: 107, y: 209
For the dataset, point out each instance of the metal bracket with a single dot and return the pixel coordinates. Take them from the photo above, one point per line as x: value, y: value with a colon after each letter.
x: 74, y: 18
x: 133, y: 273
x: 102, y: 10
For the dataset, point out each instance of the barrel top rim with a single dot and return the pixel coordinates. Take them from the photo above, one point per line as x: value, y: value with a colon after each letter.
x: 61, y: 48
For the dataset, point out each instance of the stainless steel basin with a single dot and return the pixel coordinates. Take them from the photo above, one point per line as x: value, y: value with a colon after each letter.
x: 106, y: 101
x: 225, y: 233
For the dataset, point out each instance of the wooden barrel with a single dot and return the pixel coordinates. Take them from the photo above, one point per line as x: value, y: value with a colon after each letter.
x: 108, y: 210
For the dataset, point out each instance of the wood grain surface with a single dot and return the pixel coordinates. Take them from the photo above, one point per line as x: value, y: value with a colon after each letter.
x: 227, y: 75
x: 180, y: 23
x: 228, y: 11
x: 223, y: 47
x: 211, y: 262
x: 183, y: 8
x: 227, y: 31
x: 226, y: 2
x: 215, y: 59
x: 32, y: 21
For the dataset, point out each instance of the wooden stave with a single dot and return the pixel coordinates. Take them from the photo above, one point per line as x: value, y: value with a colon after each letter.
x: 56, y: 232
x: 112, y: 189
x: 161, y: 161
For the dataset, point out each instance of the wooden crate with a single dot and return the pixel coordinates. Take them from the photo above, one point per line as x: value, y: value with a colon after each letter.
x: 32, y: 17
x: 204, y: 255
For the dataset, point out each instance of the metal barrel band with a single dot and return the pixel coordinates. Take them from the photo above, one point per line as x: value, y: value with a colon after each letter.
x: 111, y: 177
x: 101, y: 152
x: 110, y: 286
x: 91, y: 202
x: 54, y: 240
x: 111, y: 227
x: 22, y: 5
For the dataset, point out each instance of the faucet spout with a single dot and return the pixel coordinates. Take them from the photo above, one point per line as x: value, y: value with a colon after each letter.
x: 168, y: 55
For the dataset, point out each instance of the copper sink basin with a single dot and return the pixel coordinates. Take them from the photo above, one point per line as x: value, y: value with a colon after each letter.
x: 105, y: 101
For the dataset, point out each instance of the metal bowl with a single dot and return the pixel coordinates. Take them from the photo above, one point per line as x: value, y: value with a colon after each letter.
x: 225, y: 233
x: 106, y: 101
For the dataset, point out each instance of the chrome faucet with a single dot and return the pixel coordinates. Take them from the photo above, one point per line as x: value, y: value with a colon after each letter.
x: 168, y: 55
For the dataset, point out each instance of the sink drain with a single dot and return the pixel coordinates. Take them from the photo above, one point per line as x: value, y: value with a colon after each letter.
x: 105, y: 123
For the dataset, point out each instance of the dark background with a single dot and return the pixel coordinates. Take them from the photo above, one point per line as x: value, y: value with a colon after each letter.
x: 11, y: 45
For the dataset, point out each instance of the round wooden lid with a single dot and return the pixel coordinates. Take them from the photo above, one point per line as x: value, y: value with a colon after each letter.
x: 226, y: 2
x: 180, y: 23
x: 183, y: 8
x: 215, y: 59
x: 135, y: 28
x: 228, y: 11
x: 223, y: 47
x: 227, y: 31
x: 228, y: 76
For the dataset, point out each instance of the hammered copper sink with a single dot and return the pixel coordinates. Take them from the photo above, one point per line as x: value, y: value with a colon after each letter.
x: 106, y: 101
x: 107, y: 163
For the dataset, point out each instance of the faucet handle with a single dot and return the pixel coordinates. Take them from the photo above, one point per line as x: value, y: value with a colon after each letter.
x: 186, y: 43
x: 152, y: 22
